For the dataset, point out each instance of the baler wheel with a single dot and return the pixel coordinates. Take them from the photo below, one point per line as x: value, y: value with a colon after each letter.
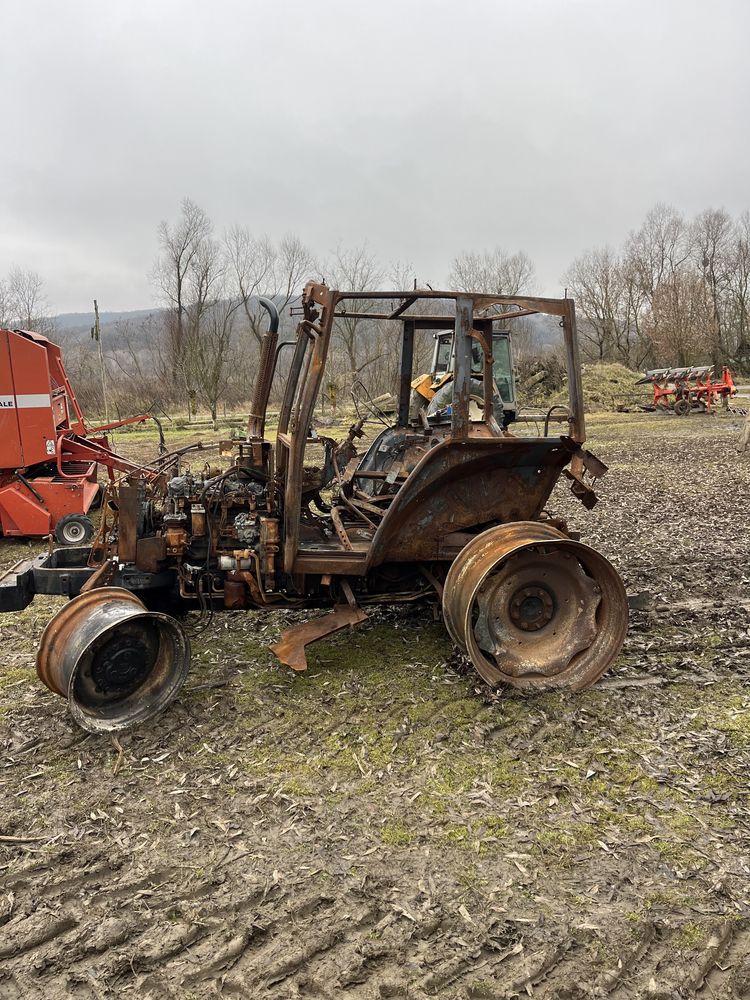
x: 534, y: 609
x: 74, y: 529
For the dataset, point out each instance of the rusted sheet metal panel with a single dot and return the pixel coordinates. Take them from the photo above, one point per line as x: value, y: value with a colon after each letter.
x: 460, y: 485
x: 290, y: 649
x: 127, y: 497
x: 151, y: 553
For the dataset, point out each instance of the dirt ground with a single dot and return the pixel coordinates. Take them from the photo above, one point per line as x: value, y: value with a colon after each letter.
x: 385, y: 826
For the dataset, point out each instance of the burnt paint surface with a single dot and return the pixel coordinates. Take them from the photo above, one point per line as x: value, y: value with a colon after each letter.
x: 460, y: 485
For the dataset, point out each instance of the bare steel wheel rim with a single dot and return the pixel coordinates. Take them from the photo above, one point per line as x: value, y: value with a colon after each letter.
x: 74, y: 532
x: 116, y: 663
x: 535, y: 613
x: 534, y: 609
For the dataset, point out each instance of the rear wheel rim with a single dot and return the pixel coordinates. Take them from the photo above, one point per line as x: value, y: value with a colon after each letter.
x: 536, y: 613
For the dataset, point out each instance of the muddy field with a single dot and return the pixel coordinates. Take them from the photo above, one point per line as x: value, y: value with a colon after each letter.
x: 385, y: 826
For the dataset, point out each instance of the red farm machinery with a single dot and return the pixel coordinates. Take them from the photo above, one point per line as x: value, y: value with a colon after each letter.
x: 48, y: 456
x: 686, y: 390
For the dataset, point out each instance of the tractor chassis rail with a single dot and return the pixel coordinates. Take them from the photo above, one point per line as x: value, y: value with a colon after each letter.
x: 63, y: 573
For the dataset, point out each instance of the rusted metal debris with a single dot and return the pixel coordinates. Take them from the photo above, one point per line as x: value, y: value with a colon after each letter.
x: 445, y: 504
x: 290, y: 649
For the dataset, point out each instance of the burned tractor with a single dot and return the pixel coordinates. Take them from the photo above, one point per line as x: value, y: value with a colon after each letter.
x: 445, y: 503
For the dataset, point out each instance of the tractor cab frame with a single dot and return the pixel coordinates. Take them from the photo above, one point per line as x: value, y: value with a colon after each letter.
x: 494, y: 476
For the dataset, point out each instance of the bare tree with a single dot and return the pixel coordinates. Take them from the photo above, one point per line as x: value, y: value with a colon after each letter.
x: 496, y: 272
x: 634, y: 343
x: 144, y: 376
x: 659, y: 249
x: 260, y: 267
x: 23, y: 303
x: 294, y: 264
x: 181, y: 245
x: 252, y: 264
x: 679, y: 317
x: 355, y: 270
x: 739, y: 289
x: 6, y: 306
x: 213, y: 352
x: 603, y: 292
x: 712, y: 238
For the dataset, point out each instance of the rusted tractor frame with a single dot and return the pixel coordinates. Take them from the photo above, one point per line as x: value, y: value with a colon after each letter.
x: 450, y: 505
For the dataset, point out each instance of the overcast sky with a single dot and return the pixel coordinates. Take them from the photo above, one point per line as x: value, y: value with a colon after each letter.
x: 425, y: 127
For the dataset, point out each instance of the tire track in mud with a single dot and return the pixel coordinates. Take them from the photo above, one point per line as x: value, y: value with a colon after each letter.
x: 31, y: 932
x: 729, y: 971
x: 660, y: 966
x: 135, y: 934
x: 162, y: 938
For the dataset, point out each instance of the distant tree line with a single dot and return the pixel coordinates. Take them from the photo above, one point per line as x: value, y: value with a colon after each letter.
x: 200, y: 350
x: 676, y: 292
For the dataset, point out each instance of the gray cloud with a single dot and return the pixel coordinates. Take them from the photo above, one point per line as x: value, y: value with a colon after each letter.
x: 425, y: 127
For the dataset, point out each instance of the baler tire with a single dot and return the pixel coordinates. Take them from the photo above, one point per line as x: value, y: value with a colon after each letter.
x: 74, y: 529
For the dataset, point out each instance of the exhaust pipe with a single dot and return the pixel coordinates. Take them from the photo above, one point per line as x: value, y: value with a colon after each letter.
x: 257, y: 419
x: 116, y: 663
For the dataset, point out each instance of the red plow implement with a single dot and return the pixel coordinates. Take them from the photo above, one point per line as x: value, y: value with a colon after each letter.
x: 689, y: 390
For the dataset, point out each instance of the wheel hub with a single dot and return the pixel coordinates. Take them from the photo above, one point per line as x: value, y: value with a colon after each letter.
x: 535, y: 609
x: 531, y: 608
x: 121, y: 667
x: 536, y: 612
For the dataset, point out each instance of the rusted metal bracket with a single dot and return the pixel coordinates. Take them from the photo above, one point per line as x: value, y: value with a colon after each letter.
x: 432, y: 580
x: 340, y: 529
x: 290, y: 649
x: 102, y: 577
x: 581, y: 491
x: 583, y: 461
x: 593, y: 465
